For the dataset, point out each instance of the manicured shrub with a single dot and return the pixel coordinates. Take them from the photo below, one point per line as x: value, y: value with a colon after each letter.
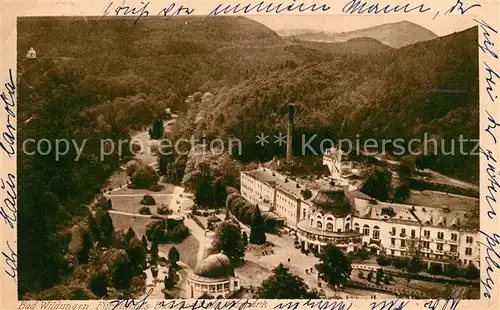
x: 383, y: 260
x: 148, y: 200
x: 145, y: 211
x: 163, y: 210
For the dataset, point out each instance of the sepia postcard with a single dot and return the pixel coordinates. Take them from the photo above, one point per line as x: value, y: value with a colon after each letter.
x: 203, y: 155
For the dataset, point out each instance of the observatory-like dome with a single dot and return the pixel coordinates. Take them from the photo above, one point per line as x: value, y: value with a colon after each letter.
x: 215, y: 266
x: 332, y: 199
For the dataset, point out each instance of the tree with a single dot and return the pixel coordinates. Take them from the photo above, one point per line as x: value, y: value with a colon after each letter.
x: 145, y: 211
x: 229, y: 241
x: 157, y: 131
x: 369, y: 276
x: 129, y: 236
x: 173, y: 256
x: 137, y: 254
x: 387, y: 281
x: 379, y: 276
x: 154, y: 253
x: 258, y: 230
x: 148, y: 200
x: 144, y: 177
x: 171, y: 278
x: 451, y: 270
x: 436, y: 268
x: 144, y: 243
x: 402, y: 192
x: 471, y: 272
x: 205, y: 191
x: 244, y: 236
x: 334, y: 267
x: 99, y: 285
x: 94, y: 228
x: 122, y: 273
x: 83, y: 254
x: 415, y: 265
x: 106, y: 229
x: 283, y: 285
x: 406, y: 167
x: 378, y: 185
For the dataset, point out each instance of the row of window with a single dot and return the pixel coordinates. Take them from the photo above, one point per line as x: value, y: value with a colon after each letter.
x: 329, y: 226
x: 212, y: 288
x: 427, y: 233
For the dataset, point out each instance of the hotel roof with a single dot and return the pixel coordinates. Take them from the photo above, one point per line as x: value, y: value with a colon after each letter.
x: 275, y: 179
x: 424, y: 215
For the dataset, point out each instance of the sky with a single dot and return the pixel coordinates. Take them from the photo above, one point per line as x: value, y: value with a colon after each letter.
x: 342, y: 23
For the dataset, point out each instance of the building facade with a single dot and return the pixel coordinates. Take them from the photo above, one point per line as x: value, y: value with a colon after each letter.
x: 31, y: 53
x: 333, y: 158
x: 213, y: 276
x: 335, y: 215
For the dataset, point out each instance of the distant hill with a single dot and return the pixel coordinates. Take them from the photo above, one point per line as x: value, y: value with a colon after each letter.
x: 361, y: 45
x: 394, y: 34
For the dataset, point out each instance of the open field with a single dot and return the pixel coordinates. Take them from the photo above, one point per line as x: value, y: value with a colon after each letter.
x: 252, y: 274
x: 138, y: 224
x: 187, y: 248
x: 116, y: 180
x: 126, y: 204
x: 168, y: 188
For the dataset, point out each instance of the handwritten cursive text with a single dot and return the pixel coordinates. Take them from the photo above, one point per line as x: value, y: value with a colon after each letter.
x: 491, y: 261
x: 9, y: 136
x: 358, y: 7
x: 11, y: 262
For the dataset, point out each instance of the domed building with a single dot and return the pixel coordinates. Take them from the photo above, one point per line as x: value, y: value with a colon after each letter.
x: 329, y: 220
x: 213, y: 276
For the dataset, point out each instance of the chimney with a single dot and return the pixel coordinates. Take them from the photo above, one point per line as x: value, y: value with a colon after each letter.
x: 289, y: 134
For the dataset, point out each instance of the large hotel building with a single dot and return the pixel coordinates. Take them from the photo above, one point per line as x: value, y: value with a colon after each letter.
x: 338, y: 213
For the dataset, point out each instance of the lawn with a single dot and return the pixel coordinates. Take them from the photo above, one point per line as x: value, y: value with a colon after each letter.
x: 252, y: 274
x: 187, y: 248
x: 138, y: 224
x: 168, y: 189
x: 126, y: 204
x: 116, y: 180
x: 131, y: 204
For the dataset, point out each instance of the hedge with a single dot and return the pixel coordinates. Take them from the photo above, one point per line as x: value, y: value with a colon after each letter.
x: 244, y: 212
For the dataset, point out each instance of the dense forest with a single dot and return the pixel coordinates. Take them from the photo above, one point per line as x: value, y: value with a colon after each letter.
x: 100, y: 79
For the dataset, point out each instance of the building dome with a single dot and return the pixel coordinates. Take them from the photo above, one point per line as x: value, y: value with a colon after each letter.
x: 332, y: 199
x: 215, y: 266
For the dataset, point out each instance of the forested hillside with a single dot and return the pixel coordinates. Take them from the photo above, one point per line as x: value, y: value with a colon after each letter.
x: 101, y: 79
x: 392, y: 95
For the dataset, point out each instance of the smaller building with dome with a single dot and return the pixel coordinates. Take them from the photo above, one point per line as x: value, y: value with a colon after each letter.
x: 213, y: 276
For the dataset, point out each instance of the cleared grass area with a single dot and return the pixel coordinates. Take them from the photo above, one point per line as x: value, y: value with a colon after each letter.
x: 138, y: 224
x: 116, y: 180
x: 252, y: 274
x: 126, y: 204
x: 437, y: 199
x: 187, y: 248
x: 131, y: 204
x: 168, y: 189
